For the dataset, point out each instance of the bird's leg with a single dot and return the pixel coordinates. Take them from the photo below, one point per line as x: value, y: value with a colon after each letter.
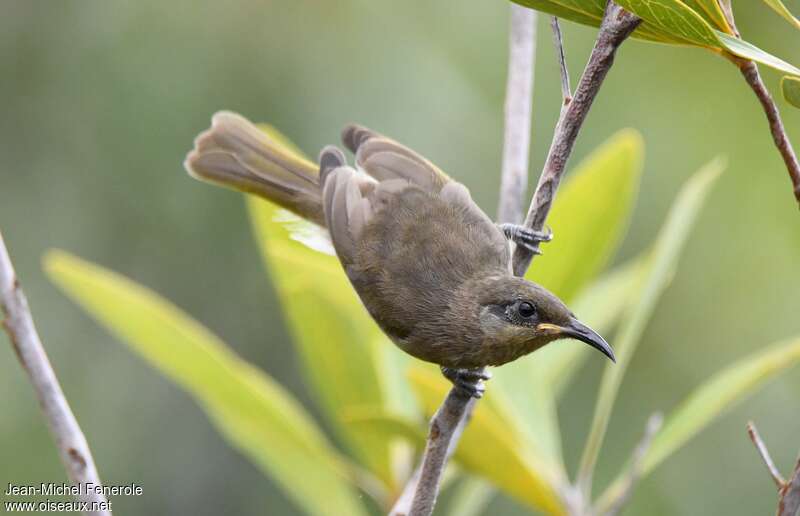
x: 468, y: 381
x: 526, y: 237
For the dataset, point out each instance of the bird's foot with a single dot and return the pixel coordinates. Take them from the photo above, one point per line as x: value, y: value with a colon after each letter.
x: 468, y: 381
x: 526, y: 237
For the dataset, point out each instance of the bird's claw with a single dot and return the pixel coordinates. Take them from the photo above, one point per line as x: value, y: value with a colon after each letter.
x: 526, y: 237
x: 468, y: 381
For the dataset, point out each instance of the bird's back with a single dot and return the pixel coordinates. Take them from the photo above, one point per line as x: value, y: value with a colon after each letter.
x: 415, y: 254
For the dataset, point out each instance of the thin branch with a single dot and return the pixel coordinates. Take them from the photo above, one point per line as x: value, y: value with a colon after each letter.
x: 615, y: 28
x: 753, y: 78
x: 517, y: 128
x: 635, y: 471
x: 750, y: 72
x: 70, y: 441
x: 438, y: 449
x: 402, y: 506
x: 790, y: 494
x: 788, y: 491
x: 762, y: 450
x: 558, y: 42
x: 452, y: 416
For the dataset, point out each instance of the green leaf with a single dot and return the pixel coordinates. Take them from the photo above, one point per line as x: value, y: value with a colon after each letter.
x: 493, y: 446
x: 251, y: 410
x: 711, y: 12
x: 781, y: 9
x: 790, y: 86
x: 590, y: 215
x: 674, y: 19
x: 341, y: 351
x: 654, y: 276
x: 709, y: 401
x: 678, y: 22
x: 747, y: 50
x: 590, y: 12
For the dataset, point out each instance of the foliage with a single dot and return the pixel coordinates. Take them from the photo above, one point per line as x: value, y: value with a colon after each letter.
x: 376, y: 399
x: 698, y: 23
x: 790, y: 86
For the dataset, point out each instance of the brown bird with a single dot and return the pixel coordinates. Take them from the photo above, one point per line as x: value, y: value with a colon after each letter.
x: 429, y: 265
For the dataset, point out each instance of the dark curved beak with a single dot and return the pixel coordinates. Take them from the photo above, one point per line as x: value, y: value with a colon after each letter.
x: 578, y: 330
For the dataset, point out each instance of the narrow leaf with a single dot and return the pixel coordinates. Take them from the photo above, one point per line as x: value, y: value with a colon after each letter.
x: 590, y: 12
x: 709, y: 401
x: 674, y: 18
x: 250, y: 409
x: 790, y: 86
x: 781, y: 9
x: 492, y: 445
x: 710, y: 11
x: 747, y: 50
x: 654, y: 277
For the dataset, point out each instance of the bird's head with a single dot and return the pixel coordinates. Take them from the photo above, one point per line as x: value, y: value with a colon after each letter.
x: 518, y: 317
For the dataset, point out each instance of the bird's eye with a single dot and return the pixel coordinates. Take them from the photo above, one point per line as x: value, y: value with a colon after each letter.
x: 526, y: 309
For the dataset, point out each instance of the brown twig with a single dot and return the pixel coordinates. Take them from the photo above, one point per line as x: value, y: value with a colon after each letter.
x: 70, y: 441
x: 762, y: 450
x: 788, y: 491
x: 789, y: 503
x: 750, y: 72
x: 753, y: 78
x: 558, y: 42
x: 402, y: 506
x: 615, y: 28
x: 441, y: 443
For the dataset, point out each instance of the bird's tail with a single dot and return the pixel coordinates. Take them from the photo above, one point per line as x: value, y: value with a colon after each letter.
x: 236, y: 154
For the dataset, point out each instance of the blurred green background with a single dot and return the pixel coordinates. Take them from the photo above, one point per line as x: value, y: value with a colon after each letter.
x: 102, y: 100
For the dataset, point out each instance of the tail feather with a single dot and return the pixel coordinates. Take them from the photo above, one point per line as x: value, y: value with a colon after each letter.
x: 236, y: 154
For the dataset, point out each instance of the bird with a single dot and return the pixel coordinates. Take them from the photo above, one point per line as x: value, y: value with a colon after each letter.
x: 430, y: 267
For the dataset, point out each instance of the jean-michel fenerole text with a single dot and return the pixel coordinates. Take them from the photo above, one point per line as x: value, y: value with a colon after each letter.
x: 64, y: 489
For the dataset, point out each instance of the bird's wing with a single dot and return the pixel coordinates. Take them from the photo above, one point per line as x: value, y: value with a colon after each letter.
x: 385, y: 169
x: 385, y: 159
x: 345, y: 201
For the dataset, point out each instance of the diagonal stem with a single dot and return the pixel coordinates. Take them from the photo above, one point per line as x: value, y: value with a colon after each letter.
x: 788, y: 490
x: 752, y: 76
x: 558, y: 42
x: 764, y: 453
x: 789, y: 504
x: 750, y: 72
x: 615, y: 28
x: 67, y: 434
